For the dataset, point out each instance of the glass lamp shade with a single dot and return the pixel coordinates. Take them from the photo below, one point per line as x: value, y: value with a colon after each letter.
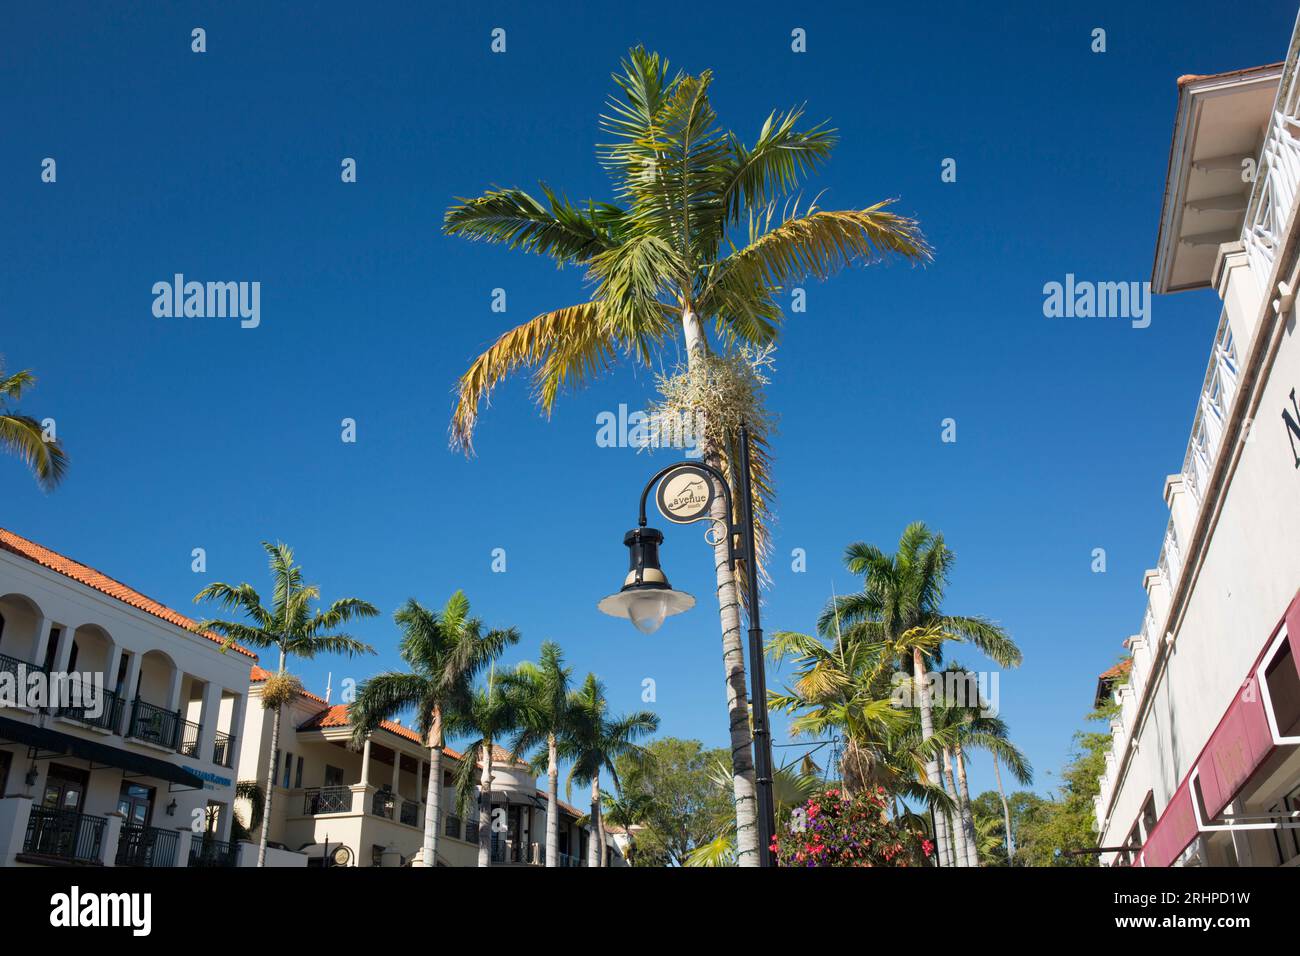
x: 646, y: 607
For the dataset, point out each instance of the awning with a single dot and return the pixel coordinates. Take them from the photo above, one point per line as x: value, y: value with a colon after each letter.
x: 54, y: 742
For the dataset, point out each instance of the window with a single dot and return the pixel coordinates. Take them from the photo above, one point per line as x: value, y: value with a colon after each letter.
x: 376, y: 855
x: 4, y: 771
x: 333, y: 776
x: 1288, y: 841
x: 288, y: 768
x: 297, y: 776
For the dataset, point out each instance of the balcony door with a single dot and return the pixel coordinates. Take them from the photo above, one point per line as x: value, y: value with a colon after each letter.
x: 135, y: 802
x: 65, y: 788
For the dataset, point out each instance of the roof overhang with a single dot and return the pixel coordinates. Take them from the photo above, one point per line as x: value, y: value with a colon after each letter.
x: 1220, y: 123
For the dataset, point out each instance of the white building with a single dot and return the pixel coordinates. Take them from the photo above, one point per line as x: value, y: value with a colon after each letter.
x: 139, y: 774
x: 337, y: 805
x: 1205, y: 767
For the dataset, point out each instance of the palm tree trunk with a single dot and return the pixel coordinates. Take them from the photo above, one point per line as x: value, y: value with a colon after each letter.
x: 931, y: 764
x: 433, y: 795
x: 270, y: 779
x: 596, y: 847
x: 552, y: 802
x: 485, y: 807
x: 960, y: 854
x: 967, y: 817
x: 733, y: 651
x: 1006, y: 812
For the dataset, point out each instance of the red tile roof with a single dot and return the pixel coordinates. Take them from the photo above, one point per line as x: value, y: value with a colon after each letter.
x: 1119, y: 670
x: 101, y: 582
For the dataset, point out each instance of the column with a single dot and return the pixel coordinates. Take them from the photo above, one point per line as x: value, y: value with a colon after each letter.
x: 397, y: 777
x: 64, y: 652
x: 173, y: 702
x: 365, y: 764
x: 132, y: 676
x: 112, y: 831
x: 209, y: 715
x: 237, y: 709
x: 14, y: 811
x: 184, y: 836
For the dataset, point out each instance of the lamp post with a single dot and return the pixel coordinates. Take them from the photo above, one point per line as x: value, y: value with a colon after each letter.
x: 685, y: 494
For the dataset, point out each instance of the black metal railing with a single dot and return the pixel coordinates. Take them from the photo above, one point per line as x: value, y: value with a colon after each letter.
x: 106, y: 716
x: 319, y: 800
x: 64, y: 835
x: 381, y: 804
x: 155, y: 725
x: 452, y: 828
x: 12, y: 666
x: 410, y: 813
x: 566, y: 860
x: 223, y: 750
x: 471, y: 831
x: 211, y: 852
x: 146, y: 846
x: 189, y: 739
x: 509, y: 851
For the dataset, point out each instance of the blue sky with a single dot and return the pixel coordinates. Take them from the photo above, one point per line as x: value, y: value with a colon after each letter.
x: 190, y: 433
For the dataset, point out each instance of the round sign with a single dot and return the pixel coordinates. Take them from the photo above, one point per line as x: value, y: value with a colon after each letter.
x: 685, y: 494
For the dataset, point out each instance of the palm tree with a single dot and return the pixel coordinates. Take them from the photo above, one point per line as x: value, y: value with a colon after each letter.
x: 693, y: 238
x: 905, y: 590
x: 542, y: 696
x: 23, y: 436
x: 963, y: 726
x: 791, y: 787
x: 595, y: 741
x: 626, y: 810
x: 290, y: 627
x: 445, y: 650
x: 492, y: 714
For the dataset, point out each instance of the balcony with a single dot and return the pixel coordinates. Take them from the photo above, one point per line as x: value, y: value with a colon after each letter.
x: 154, y: 725
x: 381, y: 804
x: 509, y: 851
x: 410, y: 814
x: 211, y: 852
x: 64, y: 836
x: 223, y: 750
x: 318, y: 800
x: 109, y: 717
x: 146, y: 846
x: 189, y: 739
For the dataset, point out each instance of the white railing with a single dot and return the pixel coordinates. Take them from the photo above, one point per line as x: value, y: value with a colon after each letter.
x: 1277, y: 173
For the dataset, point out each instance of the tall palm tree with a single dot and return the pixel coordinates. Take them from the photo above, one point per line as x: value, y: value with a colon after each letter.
x: 595, y: 741
x: 542, y: 695
x: 492, y: 714
x: 692, y: 238
x: 289, y: 626
x: 905, y: 590
x: 445, y: 650
x: 964, y: 726
x: 24, y: 437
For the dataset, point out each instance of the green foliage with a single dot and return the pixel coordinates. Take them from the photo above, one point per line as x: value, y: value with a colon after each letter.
x: 685, y: 808
x: 1068, y: 820
x: 837, y: 829
x: 24, y: 437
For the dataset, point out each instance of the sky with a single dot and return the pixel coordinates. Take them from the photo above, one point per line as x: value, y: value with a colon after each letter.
x: 225, y: 165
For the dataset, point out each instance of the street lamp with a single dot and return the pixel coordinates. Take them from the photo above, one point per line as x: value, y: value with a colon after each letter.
x: 646, y: 597
x: 685, y: 494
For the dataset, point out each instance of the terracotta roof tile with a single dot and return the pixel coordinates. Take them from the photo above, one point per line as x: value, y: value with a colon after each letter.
x: 101, y: 582
x: 1119, y: 670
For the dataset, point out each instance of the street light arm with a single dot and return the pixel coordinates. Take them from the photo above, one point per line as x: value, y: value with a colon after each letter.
x: 731, y: 529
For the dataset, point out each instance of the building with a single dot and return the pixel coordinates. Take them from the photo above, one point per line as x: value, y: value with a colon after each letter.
x: 337, y: 805
x: 1204, y: 767
x: 135, y: 771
